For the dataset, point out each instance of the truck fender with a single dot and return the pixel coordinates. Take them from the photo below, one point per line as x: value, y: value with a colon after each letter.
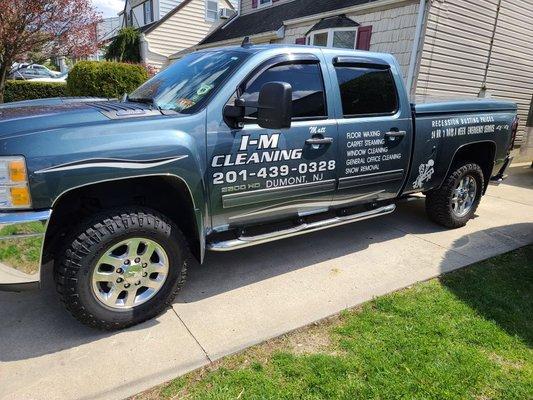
x: 194, y: 190
x: 485, y: 161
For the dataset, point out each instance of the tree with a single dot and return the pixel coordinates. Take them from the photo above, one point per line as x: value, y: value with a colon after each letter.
x: 59, y: 27
x: 125, y: 47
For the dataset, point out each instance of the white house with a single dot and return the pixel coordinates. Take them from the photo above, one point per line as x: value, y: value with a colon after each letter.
x: 169, y: 26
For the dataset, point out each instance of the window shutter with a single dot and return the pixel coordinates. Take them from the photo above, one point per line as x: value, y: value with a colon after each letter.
x: 363, y: 37
x: 254, y: 3
x: 300, y: 40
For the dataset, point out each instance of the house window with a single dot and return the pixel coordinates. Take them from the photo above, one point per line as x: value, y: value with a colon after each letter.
x: 265, y: 3
x: 211, y: 10
x: 343, y: 38
x: 130, y: 18
x: 148, y: 11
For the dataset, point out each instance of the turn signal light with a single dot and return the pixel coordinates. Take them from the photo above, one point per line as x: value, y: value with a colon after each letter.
x: 14, y: 185
x: 20, y: 197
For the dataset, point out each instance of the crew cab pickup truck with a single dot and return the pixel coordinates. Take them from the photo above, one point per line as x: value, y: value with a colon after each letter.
x: 226, y: 148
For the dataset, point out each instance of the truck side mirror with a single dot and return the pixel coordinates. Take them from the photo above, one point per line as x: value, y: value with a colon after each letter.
x: 275, y: 106
x: 234, y: 115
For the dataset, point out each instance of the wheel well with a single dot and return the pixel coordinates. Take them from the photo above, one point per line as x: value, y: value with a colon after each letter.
x: 480, y: 153
x: 168, y: 195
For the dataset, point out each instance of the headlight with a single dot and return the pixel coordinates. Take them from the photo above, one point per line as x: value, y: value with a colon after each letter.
x: 14, y: 190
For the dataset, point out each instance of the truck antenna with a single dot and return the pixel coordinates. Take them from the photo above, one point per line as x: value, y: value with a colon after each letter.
x: 246, y: 42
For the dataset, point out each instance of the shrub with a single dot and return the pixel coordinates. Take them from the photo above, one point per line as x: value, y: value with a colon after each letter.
x: 27, y: 90
x: 105, y: 78
x: 125, y: 46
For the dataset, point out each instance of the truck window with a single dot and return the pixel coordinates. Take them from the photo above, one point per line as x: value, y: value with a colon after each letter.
x: 308, y: 95
x: 366, y: 91
x: 188, y: 83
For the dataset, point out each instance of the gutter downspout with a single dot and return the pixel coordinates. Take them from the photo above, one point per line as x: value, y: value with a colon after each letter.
x: 484, y: 92
x: 416, y: 44
x: 143, y: 44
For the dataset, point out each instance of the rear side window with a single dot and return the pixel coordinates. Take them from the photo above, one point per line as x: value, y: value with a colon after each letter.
x: 366, y: 91
x: 308, y: 96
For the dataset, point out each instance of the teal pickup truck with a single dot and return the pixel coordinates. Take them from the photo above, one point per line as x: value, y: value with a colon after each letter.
x: 226, y: 148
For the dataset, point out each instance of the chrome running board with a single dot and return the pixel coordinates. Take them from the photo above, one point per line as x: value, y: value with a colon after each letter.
x: 246, y: 241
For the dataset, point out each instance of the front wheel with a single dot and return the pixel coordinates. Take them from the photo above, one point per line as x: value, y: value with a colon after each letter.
x: 455, y: 202
x: 121, y: 268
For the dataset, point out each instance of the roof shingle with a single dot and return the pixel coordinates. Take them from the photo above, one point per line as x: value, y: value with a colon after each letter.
x: 271, y: 18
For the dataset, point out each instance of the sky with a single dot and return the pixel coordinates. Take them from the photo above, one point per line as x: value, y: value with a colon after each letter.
x: 109, y: 8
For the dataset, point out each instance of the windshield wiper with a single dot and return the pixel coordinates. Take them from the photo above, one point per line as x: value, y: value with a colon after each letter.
x: 151, y: 101
x: 145, y: 100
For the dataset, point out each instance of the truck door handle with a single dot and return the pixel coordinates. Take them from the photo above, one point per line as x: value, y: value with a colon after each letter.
x: 318, y: 141
x: 395, y: 134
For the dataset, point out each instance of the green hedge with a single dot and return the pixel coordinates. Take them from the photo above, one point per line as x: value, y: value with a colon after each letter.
x: 27, y: 90
x: 104, y: 78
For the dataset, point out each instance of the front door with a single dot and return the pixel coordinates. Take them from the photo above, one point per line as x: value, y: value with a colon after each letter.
x: 259, y: 175
x: 374, y: 127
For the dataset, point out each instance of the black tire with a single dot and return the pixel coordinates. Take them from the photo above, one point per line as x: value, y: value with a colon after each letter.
x: 88, y: 243
x: 439, y: 201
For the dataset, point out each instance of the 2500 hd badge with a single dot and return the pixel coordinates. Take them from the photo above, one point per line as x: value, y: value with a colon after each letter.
x: 225, y: 149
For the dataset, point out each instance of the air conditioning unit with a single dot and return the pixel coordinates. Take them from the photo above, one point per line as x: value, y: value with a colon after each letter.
x: 225, y: 13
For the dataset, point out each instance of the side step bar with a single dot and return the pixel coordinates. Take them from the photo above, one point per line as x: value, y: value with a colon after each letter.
x: 246, y: 241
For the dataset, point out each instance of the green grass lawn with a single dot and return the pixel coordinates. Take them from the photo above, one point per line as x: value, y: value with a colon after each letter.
x: 467, y: 335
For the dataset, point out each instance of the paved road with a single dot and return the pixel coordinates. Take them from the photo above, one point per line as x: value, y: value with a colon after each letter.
x: 245, y: 297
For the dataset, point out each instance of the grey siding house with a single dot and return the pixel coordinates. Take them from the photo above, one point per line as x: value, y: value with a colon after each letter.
x: 448, y: 49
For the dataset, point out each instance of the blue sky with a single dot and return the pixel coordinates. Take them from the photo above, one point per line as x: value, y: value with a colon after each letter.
x: 109, y: 8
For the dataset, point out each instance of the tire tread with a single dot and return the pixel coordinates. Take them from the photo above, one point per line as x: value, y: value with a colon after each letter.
x: 93, y: 231
x: 437, y: 200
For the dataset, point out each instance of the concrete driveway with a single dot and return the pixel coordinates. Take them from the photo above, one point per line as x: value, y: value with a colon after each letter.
x: 241, y: 298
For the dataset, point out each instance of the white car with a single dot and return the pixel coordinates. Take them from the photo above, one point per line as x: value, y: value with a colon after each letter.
x: 59, y: 78
x: 26, y: 71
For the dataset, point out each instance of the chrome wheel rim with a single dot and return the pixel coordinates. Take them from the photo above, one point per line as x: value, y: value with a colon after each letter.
x: 130, y: 273
x: 464, y: 196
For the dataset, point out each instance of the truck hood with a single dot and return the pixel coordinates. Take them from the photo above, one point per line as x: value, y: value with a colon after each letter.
x: 28, y: 117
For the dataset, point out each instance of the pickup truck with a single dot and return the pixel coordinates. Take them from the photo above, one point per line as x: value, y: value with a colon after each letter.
x: 226, y: 148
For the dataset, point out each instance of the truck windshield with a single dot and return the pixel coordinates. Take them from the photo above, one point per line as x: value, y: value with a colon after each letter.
x: 185, y: 85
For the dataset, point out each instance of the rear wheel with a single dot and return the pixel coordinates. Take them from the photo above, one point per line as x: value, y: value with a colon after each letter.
x: 122, y: 267
x: 455, y: 202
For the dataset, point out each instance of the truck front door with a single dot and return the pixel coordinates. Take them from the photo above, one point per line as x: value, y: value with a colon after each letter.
x: 258, y: 175
x: 374, y: 127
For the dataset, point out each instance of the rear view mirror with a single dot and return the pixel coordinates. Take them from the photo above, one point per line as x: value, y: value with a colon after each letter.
x: 275, y: 106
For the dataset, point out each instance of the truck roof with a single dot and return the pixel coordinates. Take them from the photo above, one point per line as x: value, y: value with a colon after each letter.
x: 258, y: 48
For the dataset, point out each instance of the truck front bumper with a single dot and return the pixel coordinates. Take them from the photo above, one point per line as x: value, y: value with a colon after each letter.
x: 21, y: 247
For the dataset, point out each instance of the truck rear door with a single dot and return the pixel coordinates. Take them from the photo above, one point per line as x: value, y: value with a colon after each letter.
x: 375, y: 130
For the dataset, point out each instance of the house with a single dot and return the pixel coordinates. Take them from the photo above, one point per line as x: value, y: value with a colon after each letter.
x: 446, y: 48
x: 169, y: 26
x: 106, y: 29
x: 377, y: 25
